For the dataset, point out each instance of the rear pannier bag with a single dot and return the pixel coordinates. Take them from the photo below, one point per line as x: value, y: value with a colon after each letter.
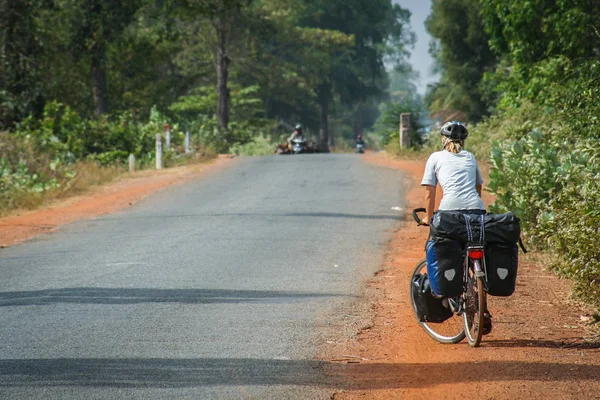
x: 498, y: 228
x: 427, y: 307
x: 502, y: 228
x: 445, y: 266
x: 501, y: 263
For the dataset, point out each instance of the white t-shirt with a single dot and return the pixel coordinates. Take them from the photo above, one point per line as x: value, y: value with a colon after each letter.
x: 457, y: 174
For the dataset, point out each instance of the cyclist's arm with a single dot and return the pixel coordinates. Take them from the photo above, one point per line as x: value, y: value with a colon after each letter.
x: 478, y: 188
x: 429, y: 202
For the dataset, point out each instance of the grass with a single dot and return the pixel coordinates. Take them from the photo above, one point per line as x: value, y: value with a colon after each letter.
x: 88, y: 175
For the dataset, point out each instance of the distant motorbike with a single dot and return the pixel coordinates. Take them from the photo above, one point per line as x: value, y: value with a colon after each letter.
x: 360, y: 148
x: 299, y: 145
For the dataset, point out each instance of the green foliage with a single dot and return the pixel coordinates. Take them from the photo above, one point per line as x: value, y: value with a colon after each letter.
x: 27, y: 171
x: 546, y: 169
x: 40, y: 156
x: 388, y: 124
x: 504, y: 128
x: 530, y: 31
x: 463, y: 56
x: 259, y: 146
x: 247, y: 106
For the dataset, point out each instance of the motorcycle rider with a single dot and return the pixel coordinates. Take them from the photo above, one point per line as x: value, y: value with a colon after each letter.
x: 297, y: 134
x: 359, y: 140
x: 456, y: 170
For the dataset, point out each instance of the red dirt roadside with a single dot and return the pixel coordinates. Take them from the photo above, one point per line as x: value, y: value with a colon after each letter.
x: 101, y: 200
x: 535, y: 351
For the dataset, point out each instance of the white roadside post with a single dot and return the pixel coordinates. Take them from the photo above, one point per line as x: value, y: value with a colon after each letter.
x: 158, y: 151
x: 131, y: 163
x: 167, y: 136
x: 187, y: 142
x: 405, y: 130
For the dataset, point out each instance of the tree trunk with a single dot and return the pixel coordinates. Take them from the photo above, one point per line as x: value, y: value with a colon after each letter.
x: 324, y: 94
x: 99, y: 82
x: 223, y: 62
x: 331, y: 142
x: 359, y: 120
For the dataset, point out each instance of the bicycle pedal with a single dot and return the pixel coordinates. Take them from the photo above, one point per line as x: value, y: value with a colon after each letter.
x: 454, y: 305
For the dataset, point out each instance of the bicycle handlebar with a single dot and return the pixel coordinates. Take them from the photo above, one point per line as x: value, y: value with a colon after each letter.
x: 417, y: 218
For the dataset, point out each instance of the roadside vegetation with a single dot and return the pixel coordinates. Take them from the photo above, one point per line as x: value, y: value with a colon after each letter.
x: 86, y: 83
x: 526, y: 77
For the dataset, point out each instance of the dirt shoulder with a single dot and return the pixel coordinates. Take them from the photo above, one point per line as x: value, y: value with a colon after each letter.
x: 117, y: 195
x: 535, y: 351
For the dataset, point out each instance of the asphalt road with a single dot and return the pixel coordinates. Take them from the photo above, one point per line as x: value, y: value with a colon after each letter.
x: 220, y: 288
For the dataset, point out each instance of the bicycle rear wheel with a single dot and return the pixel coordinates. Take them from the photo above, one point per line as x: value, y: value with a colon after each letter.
x: 450, y: 331
x: 474, y: 300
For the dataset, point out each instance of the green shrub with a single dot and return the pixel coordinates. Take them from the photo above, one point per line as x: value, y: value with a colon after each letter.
x: 27, y: 172
x: 546, y: 168
x: 258, y: 146
x: 387, y: 125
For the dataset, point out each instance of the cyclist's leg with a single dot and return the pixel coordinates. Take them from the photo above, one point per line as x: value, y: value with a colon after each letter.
x: 487, y: 319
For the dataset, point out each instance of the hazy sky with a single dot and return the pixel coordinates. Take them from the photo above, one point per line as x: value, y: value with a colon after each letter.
x: 420, y: 58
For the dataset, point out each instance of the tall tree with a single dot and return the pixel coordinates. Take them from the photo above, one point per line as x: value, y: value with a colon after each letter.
x: 97, y: 24
x: 20, y: 48
x: 226, y: 19
x: 463, y: 56
x: 381, y: 33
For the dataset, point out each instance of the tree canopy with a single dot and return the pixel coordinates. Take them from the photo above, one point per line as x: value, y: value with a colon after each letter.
x: 307, y: 61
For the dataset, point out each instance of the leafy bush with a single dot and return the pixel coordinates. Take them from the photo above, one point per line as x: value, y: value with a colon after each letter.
x: 61, y: 151
x: 26, y: 172
x: 546, y: 168
x: 388, y: 124
x: 258, y: 146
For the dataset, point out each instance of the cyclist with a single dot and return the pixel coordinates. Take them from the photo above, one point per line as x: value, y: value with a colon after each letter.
x: 456, y: 170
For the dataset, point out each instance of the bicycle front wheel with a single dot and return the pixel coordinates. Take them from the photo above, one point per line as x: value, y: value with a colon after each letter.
x: 474, y: 301
x: 450, y: 331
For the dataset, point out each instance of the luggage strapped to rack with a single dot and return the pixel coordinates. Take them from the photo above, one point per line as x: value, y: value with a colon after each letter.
x: 452, y: 231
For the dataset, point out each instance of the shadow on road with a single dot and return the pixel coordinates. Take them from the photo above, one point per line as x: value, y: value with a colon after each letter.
x: 135, y: 296
x: 177, y: 373
x: 397, y: 217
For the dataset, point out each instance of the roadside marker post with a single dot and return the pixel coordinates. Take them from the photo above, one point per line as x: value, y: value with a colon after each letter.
x: 131, y: 163
x: 405, y: 130
x: 187, y: 142
x: 158, y: 151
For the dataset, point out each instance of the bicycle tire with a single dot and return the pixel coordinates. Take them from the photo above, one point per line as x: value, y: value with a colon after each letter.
x: 450, y: 331
x: 474, y: 300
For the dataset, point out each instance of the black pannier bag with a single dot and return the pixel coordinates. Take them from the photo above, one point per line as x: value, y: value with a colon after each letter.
x: 501, y: 263
x: 445, y: 266
x: 502, y: 228
x: 427, y: 307
x: 498, y: 228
